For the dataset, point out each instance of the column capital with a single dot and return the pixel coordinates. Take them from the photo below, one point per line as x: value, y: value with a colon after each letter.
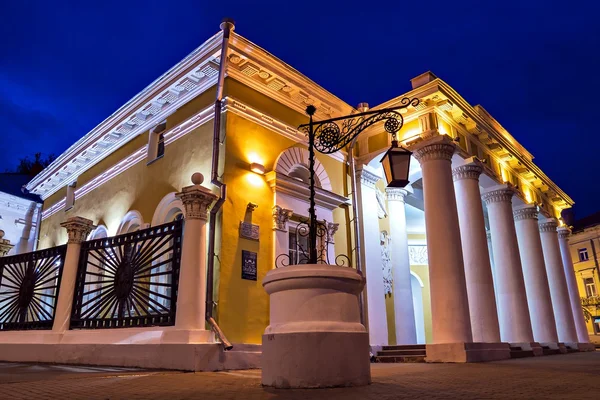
x: 564, y: 232
x: 368, y: 178
x: 280, y: 218
x: 471, y: 170
x: 438, y: 148
x: 498, y: 194
x: 196, y: 201
x: 78, y: 228
x: 527, y: 211
x: 549, y: 225
x: 331, y: 229
x: 396, y: 194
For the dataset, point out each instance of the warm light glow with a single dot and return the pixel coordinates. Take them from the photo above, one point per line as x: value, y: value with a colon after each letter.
x: 504, y: 174
x: 442, y: 130
x: 255, y: 158
x: 257, y: 168
x: 527, y: 195
x: 255, y: 180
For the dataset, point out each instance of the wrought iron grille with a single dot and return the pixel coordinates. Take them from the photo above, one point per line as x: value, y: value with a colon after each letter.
x: 298, y: 252
x: 29, y: 286
x: 129, y: 280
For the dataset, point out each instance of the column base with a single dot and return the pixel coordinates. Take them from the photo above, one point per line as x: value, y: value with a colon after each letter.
x: 586, y: 346
x: 530, y: 346
x: 467, y: 352
x: 315, y: 359
x: 188, y: 336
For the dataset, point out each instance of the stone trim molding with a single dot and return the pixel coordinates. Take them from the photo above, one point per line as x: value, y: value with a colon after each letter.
x: 468, y: 171
x: 331, y: 228
x: 196, y: 201
x: 527, y: 212
x: 564, y: 232
x: 78, y: 229
x: 502, y: 194
x: 368, y: 178
x: 280, y: 218
x: 548, y: 226
x: 437, y: 148
x: 396, y: 194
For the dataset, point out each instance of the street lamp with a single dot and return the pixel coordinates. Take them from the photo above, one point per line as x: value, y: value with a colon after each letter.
x: 334, y: 134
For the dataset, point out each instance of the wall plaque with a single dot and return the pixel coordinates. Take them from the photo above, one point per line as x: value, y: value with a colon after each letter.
x: 248, y: 265
x: 248, y: 230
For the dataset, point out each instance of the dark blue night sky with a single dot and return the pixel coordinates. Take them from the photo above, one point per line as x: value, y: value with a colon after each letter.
x: 67, y: 65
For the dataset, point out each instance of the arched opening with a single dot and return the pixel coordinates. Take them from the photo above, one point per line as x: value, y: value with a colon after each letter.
x: 132, y: 221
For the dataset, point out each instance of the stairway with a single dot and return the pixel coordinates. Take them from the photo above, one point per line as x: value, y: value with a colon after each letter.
x: 518, y: 352
x: 413, y: 353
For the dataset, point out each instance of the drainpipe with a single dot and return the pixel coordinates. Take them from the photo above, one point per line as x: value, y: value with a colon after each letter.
x: 227, y: 26
x: 362, y: 107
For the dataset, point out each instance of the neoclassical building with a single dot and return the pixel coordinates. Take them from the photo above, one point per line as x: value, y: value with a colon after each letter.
x: 472, y: 250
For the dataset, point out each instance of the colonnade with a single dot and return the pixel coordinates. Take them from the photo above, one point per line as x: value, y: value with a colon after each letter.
x: 513, y: 283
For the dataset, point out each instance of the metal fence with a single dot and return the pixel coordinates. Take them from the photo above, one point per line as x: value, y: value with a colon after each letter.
x: 29, y: 285
x: 129, y: 280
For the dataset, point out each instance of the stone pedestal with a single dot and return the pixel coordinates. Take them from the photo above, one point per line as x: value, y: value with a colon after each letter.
x: 315, y: 338
x: 467, y: 352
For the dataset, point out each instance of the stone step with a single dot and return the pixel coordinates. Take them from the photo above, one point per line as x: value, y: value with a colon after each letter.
x: 515, y: 348
x: 403, y: 352
x: 520, y: 353
x: 405, y: 347
x: 550, y: 352
x: 400, y: 359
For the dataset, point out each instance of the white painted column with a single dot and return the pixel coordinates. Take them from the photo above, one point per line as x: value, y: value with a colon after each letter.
x: 449, y: 304
x: 281, y: 237
x: 478, y: 270
x: 376, y: 312
x: 406, y: 332
x: 78, y: 229
x: 559, y: 292
x: 565, y: 252
x: 513, y: 312
x: 534, y: 274
x: 191, y: 296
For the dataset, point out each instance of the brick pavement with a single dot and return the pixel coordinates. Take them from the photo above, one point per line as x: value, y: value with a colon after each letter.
x: 571, y: 376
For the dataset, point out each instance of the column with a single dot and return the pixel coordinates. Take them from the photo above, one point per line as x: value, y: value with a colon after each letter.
x: 406, y: 332
x: 78, y: 229
x: 559, y: 292
x: 488, y: 235
x: 565, y: 252
x: 478, y: 270
x: 191, y: 297
x: 513, y: 313
x: 281, y: 237
x: 371, y: 253
x: 449, y: 304
x: 534, y: 274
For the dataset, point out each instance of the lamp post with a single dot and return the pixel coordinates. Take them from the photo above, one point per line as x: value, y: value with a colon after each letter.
x: 331, y: 135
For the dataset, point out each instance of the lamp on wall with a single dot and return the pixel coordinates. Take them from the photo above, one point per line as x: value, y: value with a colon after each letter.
x: 396, y: 165
x: 257, y: 168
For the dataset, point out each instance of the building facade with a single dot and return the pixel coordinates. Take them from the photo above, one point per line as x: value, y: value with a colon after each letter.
x: 468, y: 252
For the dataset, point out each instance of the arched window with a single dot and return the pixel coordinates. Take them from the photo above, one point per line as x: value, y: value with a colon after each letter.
x: 132, y: 221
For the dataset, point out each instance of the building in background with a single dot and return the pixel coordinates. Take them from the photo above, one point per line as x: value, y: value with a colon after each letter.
x: 585, y: 252
x: 20, y: 213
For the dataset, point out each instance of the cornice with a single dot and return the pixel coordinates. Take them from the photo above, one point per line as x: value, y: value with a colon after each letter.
x: 280, y: 183
x: 187, y: 79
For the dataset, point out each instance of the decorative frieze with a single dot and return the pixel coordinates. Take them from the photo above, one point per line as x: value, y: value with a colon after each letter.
x: 548, y: 226
x: 396, y: 194
x: 469, y: 171
x: 367, y: 178
x: 196, y: 201
x: 522, y: 213
x: 502, y: 195
x: 386, y: 262
x: 78, y: 229
x: 331, y: 228
x: 280, y: 218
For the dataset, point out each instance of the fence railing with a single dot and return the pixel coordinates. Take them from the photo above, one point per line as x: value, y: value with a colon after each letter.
x: 29, y: 285
x: 129, y: 280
